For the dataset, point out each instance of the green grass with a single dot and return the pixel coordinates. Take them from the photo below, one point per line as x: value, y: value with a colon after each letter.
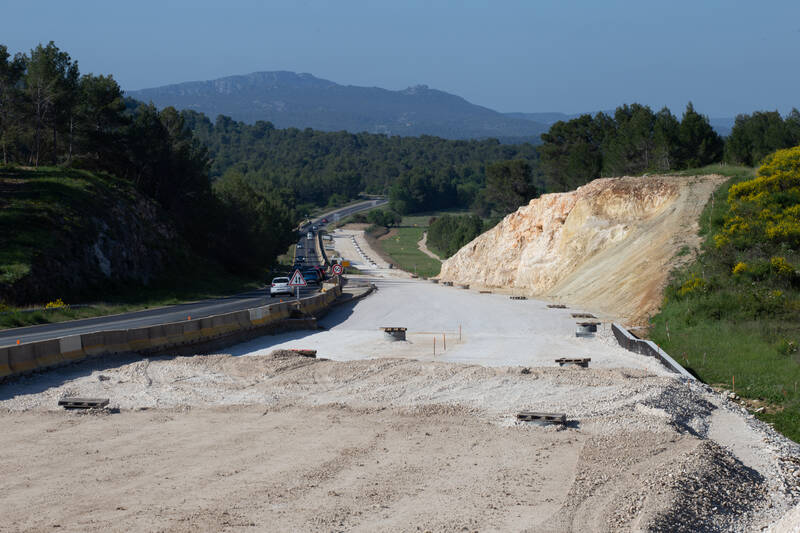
x: 733, y: 330
x: 404, y: 253
x: 207, y: 282
x: 402, y: 250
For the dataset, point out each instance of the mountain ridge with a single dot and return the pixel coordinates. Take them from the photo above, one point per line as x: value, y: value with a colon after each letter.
x: 301, y: 100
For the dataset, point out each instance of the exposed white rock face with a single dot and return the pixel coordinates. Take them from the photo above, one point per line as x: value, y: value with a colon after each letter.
x: 608, y: 246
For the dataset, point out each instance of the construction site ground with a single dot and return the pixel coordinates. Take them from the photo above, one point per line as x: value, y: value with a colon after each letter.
x: 379, y: 435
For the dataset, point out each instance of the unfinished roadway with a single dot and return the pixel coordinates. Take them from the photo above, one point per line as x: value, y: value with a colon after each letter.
x: 379, y: 435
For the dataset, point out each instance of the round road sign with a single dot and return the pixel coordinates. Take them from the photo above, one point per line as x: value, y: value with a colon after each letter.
x: 337, y: 269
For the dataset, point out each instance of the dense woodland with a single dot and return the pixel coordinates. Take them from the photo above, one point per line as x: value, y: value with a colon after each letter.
x: 51, y: 114
x: 319, y: 168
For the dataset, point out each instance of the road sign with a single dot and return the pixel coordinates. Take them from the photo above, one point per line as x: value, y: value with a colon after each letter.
x: 345, y: 263
x: 337, y: 269
x: 297, y: 279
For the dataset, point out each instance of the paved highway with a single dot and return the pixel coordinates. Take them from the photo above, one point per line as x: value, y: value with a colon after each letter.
x: 177, y: 313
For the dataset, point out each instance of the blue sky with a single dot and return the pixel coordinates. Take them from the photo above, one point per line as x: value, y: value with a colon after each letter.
x: 726, y: 56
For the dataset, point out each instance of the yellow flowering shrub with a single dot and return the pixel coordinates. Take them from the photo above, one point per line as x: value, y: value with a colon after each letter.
x: 781, y: 267
x: 693, y: 284
x: 57, y: 304
x: 740, y: 267
x: 768, y: 206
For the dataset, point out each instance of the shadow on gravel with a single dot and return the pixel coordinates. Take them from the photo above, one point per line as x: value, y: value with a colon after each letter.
x: 37, y: 382
x: 335, y: 316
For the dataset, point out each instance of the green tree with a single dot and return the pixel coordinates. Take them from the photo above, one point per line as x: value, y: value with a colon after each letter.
x: 509, y: 184
x: 50, y: 82
x: 699, y: 143
x: 11, y: 117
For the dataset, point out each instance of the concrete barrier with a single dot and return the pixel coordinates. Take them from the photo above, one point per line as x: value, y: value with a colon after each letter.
x: 139, y: 339
x: 27, y: 357
x: 649, y: 348
x: 71, y: 348
x: 22, y: 358
x: 5, y: 368
x: 93, y: 344
x: 48, y: 353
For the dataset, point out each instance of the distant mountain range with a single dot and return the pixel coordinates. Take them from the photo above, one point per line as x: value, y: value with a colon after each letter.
x: 288, y: 99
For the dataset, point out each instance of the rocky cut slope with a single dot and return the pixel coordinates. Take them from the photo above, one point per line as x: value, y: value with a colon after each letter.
x: 608, y: 246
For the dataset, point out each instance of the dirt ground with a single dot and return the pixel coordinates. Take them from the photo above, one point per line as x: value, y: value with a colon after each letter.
x: 376, y: 435
x: 289, y: 443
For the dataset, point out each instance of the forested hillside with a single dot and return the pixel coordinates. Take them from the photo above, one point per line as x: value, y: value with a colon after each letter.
x: 327, y: 168
x: 51, y: 114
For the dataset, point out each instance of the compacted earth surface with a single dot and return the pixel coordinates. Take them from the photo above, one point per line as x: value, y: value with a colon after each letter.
x: 375, y: 435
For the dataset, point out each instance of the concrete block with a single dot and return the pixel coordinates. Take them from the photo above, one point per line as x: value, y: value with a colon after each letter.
x: 174, y: 333
x: 21, y: 358
x: 48, y: 353
x: 5, y: 367
x: 158, y: 337
x: 71, y: 348
x: 192, y: 331
x: 138, y: 339
x: 93, y: 343
x: 116, y: 341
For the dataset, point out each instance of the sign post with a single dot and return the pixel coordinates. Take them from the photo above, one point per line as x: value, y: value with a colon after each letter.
x: 297, y: 280
x: 337, y: 270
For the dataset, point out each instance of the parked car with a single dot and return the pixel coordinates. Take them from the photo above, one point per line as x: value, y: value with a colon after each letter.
x: 280, y: 286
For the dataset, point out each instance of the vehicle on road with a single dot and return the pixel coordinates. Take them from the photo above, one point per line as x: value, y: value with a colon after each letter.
x: 299, y: 245
x: 280, y: 286
x: 312, y: 276
x: 300, y: 259
x: 309, y: 236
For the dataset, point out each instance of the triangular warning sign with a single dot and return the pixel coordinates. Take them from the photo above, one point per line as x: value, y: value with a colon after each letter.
x: 297, y: 279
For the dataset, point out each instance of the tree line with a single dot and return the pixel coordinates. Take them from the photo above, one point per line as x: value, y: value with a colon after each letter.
x: 631, y: 141
x: 51, y: 114
x: 329, y: 168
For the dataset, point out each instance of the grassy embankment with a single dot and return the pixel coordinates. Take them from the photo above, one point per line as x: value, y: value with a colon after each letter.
x: 43, y: 210
x: 731, y: 317
x: 401, y: 249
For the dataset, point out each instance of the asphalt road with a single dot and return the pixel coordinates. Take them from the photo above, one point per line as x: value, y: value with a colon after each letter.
x: 148, y: 317
x: 177, y: 313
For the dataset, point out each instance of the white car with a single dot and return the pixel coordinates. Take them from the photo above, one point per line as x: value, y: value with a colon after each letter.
x: 299, y: 245
x: 280, y: 286
x: 310, y: 236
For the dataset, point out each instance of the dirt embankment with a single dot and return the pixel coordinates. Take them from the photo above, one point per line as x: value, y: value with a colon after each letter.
x: 608, y: 246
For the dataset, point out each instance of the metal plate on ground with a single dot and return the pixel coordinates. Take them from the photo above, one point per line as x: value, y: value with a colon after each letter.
x: 83, y: 403
x: 556, y: 306
x: 583, y: 315
x: 518, y: 297
x: 574, y: 361
x: 542, y: 418
x: 305, y: 353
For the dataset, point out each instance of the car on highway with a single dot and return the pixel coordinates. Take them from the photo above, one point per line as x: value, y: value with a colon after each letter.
x: 299, y: 245
x: 300, y: 259
x: 312, y: 276
x: 309, y: 236
x: 280, y: 286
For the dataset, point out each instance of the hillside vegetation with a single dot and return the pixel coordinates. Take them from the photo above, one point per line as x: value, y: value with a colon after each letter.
x: 733, y: 316
x: 144, y: 204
